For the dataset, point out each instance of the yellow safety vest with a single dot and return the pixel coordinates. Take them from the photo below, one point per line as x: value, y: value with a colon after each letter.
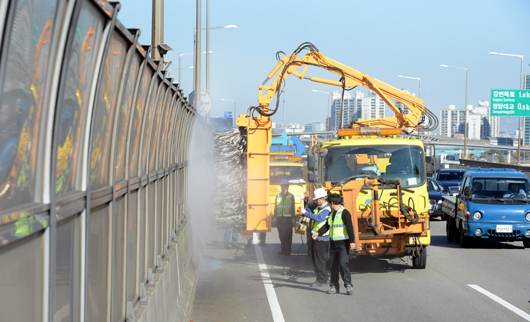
x: 337, y: 226
x: 318, y: 224
x: 283, y: 205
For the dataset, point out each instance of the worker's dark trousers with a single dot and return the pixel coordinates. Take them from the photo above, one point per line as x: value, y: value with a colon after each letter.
x: 318, y: 252
x: 285, y: 230
x: 339, y: 257
x: 309, y: 240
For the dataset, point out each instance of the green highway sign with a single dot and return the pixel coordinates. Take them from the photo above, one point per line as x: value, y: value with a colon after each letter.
x: 510, y: 102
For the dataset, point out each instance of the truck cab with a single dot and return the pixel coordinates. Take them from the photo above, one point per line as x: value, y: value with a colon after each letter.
x: 383, y: 183
x: 491, y: 204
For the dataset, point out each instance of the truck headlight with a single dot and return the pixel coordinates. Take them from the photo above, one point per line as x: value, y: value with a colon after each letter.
x: 440, y: 201
x: 477, y: 215
x: 527, y: 217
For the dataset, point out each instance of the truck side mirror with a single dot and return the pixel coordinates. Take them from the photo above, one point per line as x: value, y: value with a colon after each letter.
x: 467, y: 191
x: 310, y: 162
x: 312, y: 177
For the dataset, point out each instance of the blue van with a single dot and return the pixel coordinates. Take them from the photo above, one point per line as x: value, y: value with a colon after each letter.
x: 491, y: 204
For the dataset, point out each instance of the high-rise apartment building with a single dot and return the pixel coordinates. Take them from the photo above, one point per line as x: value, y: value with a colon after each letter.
x: 352, y: 109
x: 450, y: 121
x: 373, y: 106
x: 490, y: 125
x: 480, y: 124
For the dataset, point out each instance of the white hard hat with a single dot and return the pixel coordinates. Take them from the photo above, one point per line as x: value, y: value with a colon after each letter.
x: 319, y: 193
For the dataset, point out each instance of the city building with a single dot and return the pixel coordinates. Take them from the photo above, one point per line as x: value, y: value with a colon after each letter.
x: 352, y: 109
x: 450, y: 121
x: 481, y: 125
x: 490, y: 125
x: 373, y: 106
x: 293, y: 128
x: 502, y: 141
x: 315, y: 127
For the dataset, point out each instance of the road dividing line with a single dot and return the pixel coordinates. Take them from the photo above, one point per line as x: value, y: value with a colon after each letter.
x: 502, y: 302
x: 276, y: 310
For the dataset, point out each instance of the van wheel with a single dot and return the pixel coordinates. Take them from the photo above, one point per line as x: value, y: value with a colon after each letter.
x: 420, y: 261
x: 450, y: 229
x: 465, y: 241
x: 526, y: 243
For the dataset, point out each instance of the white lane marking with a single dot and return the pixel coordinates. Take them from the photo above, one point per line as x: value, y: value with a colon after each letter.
x: 502, y: 302
x: 276, y: 310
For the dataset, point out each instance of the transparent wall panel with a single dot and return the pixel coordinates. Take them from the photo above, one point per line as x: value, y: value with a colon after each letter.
x: 123, y: 118
x: 155, y: 133
x: 144, y: 229
x: 73, y: 104
x: 132, y: 238
x: 105, y: 105
x: 148, y: 126
x: 98, y: 252
x: 138, y: 112
x: 118, y: 260
x: 67, y: 266
x: 24, y: 71
x: 165, y: 131
x: 21, y: 279
x: 160, y: 216
x: 169, y: 143
x: 151, y: 226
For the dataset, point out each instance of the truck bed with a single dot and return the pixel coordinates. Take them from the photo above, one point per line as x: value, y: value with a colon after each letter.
x: 448, y: 205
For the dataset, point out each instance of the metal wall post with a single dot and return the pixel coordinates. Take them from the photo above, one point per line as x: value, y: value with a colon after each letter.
x: 157, y: 33
x: 197, y: 65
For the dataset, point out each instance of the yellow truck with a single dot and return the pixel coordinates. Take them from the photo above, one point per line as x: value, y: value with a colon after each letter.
x: 376, y: 165
x: 291, y: 168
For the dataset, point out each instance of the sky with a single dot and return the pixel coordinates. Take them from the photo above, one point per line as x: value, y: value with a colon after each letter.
x: 381, y: 38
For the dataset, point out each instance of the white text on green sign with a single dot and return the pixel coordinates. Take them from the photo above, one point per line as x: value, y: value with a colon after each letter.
x: 510, y: 102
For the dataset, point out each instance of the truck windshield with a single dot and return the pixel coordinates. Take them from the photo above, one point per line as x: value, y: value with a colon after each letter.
x: 389, y: 162
x: 291, y: 173
x: 499, y: 188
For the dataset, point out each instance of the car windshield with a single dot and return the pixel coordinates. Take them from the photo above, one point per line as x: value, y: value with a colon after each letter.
x: 291, y: 173
x: 451, y: 175
x: 390, y: 162
x: 432, y: 185
x: 500, y: 188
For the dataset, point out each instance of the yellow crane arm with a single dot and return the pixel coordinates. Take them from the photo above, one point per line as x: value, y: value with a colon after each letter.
x: 258, y: 127
x: 349, y: 78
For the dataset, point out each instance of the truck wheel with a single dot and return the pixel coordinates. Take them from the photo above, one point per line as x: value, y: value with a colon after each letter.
x: 465, y: 241
x: 420, y: 261
x: 526, y: 243
x: 450, y: 230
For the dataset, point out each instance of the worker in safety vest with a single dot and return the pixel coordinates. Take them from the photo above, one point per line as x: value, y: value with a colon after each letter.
x: 319, y: 215
x: 284, y: 212
x: 340, y: 228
